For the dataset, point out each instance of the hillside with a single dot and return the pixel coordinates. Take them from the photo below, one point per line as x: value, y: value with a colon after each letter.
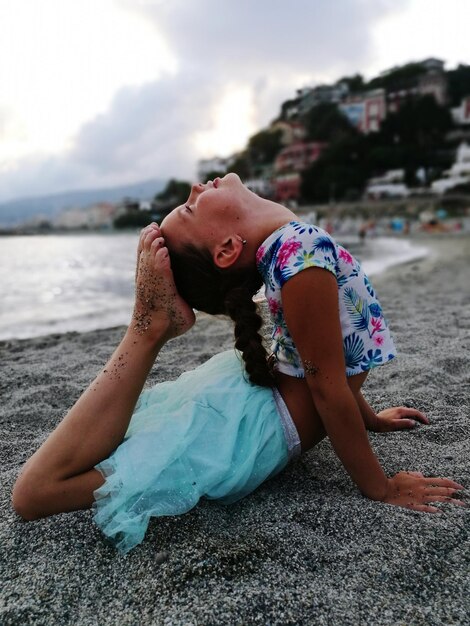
x: 19, y: 210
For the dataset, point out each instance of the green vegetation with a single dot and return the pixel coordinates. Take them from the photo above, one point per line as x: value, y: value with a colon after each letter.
x: 133, y: 219
x: 264, y: 146
x: 325, y: 123
x: 176, y: 192
x: 458, y: 84
x: 412, y: 138
x: 397, y: 78
x: 355, y: 83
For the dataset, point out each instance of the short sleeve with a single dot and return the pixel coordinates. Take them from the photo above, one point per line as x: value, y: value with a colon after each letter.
x: 302, y: 248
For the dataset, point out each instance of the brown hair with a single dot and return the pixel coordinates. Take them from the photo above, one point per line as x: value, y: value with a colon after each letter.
x: 208, y: 288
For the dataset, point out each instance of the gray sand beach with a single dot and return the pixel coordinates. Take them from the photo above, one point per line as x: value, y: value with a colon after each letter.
x: 306, y: 547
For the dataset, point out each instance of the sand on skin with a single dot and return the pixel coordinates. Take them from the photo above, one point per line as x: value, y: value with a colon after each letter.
x: 305, y: 548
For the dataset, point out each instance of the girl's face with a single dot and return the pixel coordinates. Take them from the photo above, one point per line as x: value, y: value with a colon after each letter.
x: 209, y: 211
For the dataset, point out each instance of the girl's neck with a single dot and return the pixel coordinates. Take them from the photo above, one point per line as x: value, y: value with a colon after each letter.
x: 263, y: 218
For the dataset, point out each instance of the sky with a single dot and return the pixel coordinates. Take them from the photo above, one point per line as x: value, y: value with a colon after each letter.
x: 97, y: 93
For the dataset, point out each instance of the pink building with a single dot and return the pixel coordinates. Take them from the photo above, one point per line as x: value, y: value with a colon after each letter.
x: 287, y: 186
x: 298, y: 156
x: 289, y: 163
x: 366, y: 111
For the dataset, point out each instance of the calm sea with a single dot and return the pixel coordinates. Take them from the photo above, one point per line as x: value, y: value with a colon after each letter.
x: 59, y: 283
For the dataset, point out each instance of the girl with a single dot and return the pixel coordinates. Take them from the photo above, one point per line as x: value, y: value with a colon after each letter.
x: 329, y: 330
x: 213, y: 433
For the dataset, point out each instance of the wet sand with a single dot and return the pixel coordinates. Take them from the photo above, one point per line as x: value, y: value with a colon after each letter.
x: 306, y: 547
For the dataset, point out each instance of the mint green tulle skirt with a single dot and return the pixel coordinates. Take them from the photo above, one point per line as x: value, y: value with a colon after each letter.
x: 210, y: 433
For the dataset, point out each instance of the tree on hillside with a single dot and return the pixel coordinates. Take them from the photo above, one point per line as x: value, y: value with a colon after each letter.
x: 133, y: 219
x: 285, y: 106
x: 241, y: 166
x: 396, y: 78
x: 214, y: 174
x: 325, y: 122
x: 458, y: 84
x: 340, y: 173
x: 414, y: 137
x: 355, y: 83
x: 422, y: 121
x: 264, y: 146
x: 176, y: 192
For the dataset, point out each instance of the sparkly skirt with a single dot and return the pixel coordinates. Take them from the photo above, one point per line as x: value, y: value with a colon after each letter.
x: 210, y: 433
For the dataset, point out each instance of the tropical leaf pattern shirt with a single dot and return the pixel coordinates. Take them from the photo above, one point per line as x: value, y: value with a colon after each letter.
x: 297, y: 246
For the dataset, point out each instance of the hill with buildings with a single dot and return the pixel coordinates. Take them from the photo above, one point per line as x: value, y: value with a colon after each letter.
x: 395, y: 134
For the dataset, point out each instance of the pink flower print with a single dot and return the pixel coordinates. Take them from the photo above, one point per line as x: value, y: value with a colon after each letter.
x: 379, y: 340
x: 376, y: 324
x: 344, y: 254
x: 260, y: 253
x: 287, y: 249
x: 274, y: 306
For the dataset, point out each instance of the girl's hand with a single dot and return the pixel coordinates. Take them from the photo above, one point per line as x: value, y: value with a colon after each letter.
x: 398, y: 418
x: 412, y: 490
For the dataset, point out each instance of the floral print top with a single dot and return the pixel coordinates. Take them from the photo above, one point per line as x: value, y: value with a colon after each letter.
x: 297, y: 246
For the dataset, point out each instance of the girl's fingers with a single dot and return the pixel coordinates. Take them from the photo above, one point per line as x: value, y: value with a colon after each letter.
x: 413, y: 491
x: 151, y: 227
x: 403, y: 424
x: 157, y: 243
x: 406, y: 412
x: 151, y: 235
x: 425, y: 508
x: 149, y: 231
x: 447, y: 499
x: 440, y: 491
x: 443, y: 482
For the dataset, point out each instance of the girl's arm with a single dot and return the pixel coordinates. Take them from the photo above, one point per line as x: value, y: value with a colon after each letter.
x: 310, y: 303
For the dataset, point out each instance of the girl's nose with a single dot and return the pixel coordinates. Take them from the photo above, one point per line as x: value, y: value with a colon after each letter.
x: 197, y: 187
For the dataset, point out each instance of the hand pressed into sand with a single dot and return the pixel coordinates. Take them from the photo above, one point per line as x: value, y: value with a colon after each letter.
x: 159, y: 310
x: 397, y: 418
x: 412, y: 490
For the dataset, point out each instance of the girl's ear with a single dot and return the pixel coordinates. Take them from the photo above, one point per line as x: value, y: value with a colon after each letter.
x: 226, y: 253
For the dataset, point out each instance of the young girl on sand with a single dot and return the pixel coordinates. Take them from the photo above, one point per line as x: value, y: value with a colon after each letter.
x: 213, y: 432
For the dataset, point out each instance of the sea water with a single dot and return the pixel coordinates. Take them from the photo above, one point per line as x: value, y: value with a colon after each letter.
x: 80, y: 282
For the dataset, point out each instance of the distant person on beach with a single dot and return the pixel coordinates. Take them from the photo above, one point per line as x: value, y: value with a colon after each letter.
x: 222, y: 429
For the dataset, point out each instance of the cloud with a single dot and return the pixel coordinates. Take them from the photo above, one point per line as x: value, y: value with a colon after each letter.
x: 264, y: 47
x: 150, y: 126
x: 146, y: 133
x: 255, y: 39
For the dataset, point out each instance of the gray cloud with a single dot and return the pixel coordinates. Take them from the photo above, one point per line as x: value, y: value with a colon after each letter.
x: 147, y: 130
x: 253, y: 39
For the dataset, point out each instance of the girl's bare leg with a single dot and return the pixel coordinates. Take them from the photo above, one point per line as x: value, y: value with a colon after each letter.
x: 60, y: 476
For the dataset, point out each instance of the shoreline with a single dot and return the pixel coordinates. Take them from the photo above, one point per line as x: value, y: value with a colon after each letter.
x: 377, y: 255
x: 306, y: 547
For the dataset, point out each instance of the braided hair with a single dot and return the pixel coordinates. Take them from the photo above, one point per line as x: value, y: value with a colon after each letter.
x: 208, y: 288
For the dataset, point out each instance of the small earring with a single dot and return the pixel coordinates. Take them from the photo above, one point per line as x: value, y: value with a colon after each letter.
x: 244, y: 242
